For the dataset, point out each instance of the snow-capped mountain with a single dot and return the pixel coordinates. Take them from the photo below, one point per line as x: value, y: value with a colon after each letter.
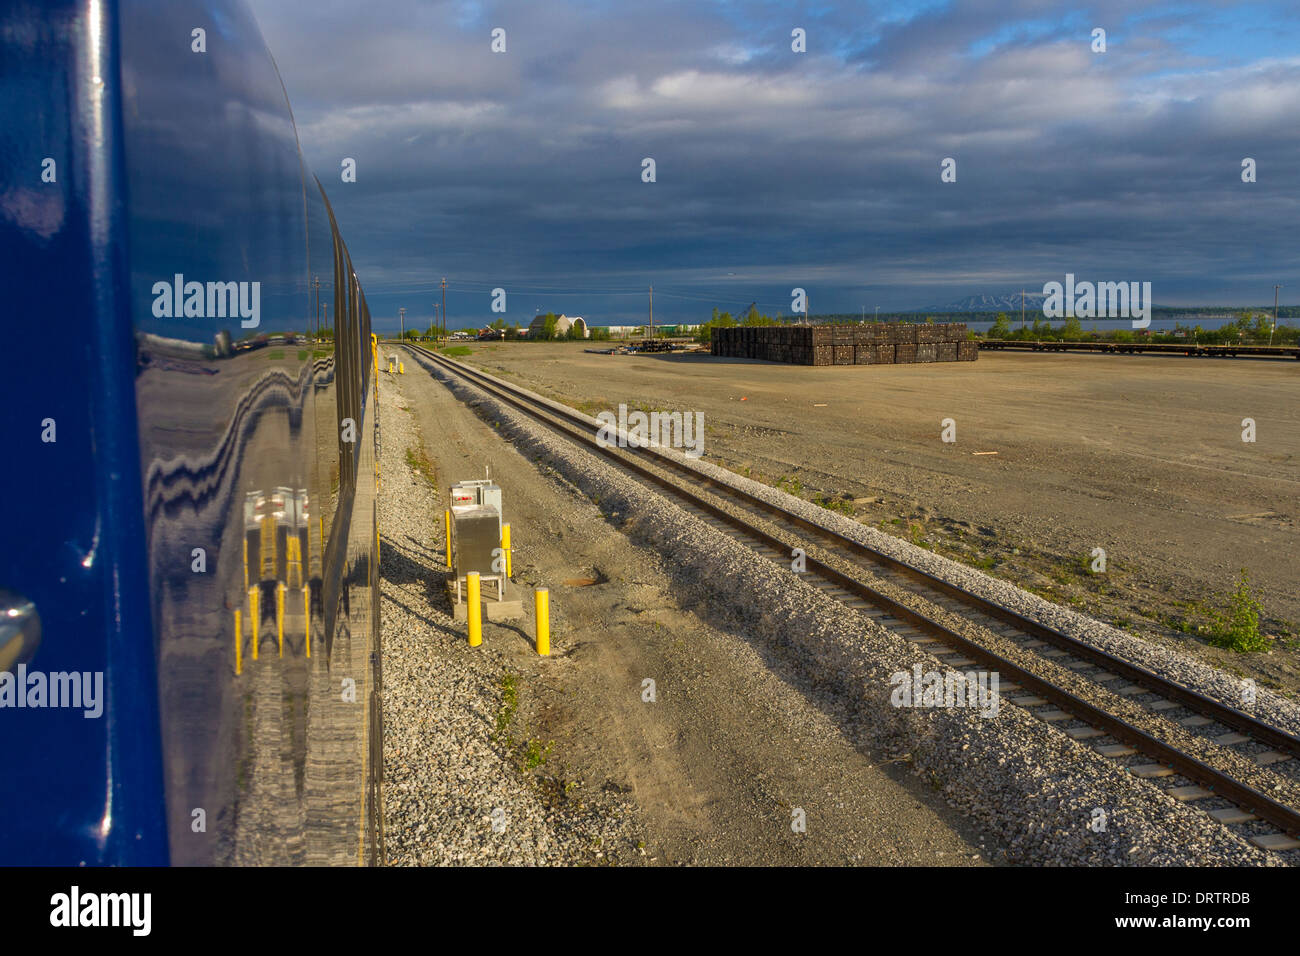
x: 1008, y: 302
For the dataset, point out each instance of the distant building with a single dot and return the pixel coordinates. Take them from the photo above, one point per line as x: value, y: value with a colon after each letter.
x: 621, y: 331
x: 562, y: 325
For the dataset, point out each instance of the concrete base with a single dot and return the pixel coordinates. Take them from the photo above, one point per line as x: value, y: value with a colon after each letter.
x: 493, y: 610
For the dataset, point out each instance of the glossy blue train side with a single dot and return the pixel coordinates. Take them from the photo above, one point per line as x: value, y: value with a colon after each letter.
x: 186, y: 325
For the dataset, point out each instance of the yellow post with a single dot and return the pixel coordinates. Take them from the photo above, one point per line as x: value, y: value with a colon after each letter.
x: 401, y: 368
x: 279, y: 616
x: 473, y: 609
x: 246, y: 556
x: 306, y: 613
x: 446, y: 523
x: 254, y: 607
x: 239, y: 644
x: 542, y: 607
x: 505, y: 546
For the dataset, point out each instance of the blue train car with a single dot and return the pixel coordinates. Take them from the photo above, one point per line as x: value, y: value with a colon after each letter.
x: 189, y: 656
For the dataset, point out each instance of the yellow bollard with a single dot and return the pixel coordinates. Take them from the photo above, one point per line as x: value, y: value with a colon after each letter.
x: 254, y: 613
x: 474, y: 610
x: 239, y: 644
x: 446, y: 523
x: 401, y: 368
x: 542, y: 607
x: 306, y: 614
x: 279, y: 616
x: 505, y: 547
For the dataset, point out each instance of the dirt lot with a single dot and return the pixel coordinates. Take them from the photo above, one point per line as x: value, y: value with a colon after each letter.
x: 1055, y: 455
x: 718, y: 762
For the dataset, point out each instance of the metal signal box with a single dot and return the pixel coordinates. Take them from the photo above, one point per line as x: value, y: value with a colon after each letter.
x: 476, y: 530
x: 481, y: 493
x: 477, y: 547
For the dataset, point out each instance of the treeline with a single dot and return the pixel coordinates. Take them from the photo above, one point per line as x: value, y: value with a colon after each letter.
x: 724, y: 320
x: 1250, y: 328
x: 514, y: 332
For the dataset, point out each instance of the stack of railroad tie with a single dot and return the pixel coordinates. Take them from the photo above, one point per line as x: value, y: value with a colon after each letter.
x: 870, y: 343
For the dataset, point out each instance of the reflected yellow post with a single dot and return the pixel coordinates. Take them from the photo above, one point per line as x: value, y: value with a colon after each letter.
x: 239, y: 644
x: 505, y: 547
x: 446, y: 524
x: 279, y: 615
x: 254, y: 607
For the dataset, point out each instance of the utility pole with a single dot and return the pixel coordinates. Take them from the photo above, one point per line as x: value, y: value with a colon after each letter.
x: 325, y: 307
x: 1274, y: 328
x: 877, y: 313
x: 444, y: 307
x: 317, y: 306
x: 401, y: 313
x: 652, y: 313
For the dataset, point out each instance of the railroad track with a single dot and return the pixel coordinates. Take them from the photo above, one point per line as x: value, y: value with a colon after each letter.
x: 1197, y: 749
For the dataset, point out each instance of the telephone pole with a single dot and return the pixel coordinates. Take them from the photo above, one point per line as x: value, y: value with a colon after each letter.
x: 444, y: 307
x: 325, y: 308
x: 317, y: 306
x: 401, y: 313
x: 1274, y: 328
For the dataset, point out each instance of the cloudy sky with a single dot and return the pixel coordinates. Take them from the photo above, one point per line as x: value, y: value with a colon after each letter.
x: 776, y: 169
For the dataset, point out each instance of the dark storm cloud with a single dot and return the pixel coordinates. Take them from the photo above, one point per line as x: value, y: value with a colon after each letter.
x: 776, y: 169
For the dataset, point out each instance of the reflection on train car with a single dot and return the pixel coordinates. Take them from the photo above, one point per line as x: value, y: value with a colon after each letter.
x: 218, y: 558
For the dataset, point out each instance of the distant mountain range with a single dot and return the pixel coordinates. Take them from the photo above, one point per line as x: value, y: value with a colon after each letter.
x: 1008, y: 302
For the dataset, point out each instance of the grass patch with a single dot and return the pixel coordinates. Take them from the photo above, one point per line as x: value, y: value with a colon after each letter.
x: 1238, y: 628
x: 790, y: 485
x: 535, y: 753
x: 418, y: 461
x: 838, y: 505
x: 456, y: 351
x: 509, y: 707
x: 277, y: 354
